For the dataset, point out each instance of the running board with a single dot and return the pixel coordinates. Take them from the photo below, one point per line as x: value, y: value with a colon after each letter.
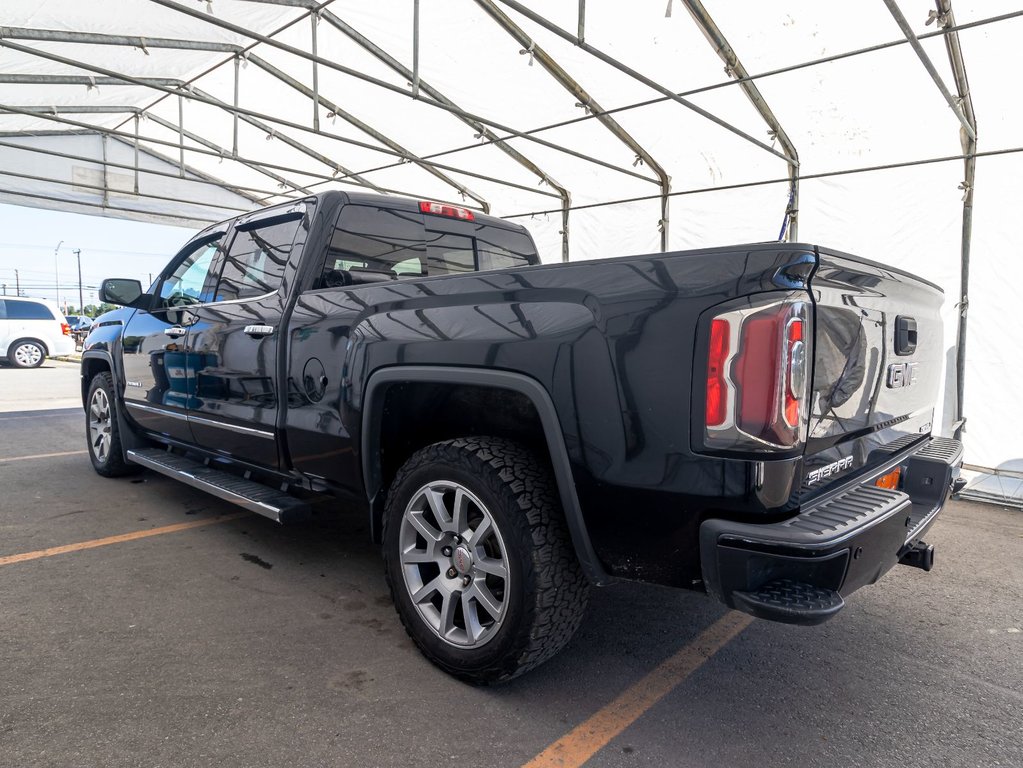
x: 248, y: 494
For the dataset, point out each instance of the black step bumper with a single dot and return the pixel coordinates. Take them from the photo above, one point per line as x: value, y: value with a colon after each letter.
x: 800, y: 570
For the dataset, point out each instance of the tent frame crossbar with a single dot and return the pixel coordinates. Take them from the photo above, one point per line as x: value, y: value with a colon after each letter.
x: 482, y: 131
x: 731, y: 82
x: 585, y: 100
x: 45, y: 113
x: 734, y: 67
x: 180, y: 87
x: 333, y: 65
x: 196, y: 175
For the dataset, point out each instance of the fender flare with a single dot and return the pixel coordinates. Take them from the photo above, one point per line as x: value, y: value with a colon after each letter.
x: 372, y: 416
x: 129, y: 438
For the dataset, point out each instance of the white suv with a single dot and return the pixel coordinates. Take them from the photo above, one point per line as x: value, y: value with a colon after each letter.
x: 32, y: 330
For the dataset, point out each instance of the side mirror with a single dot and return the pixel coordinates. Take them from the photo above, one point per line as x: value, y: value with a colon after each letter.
x: 122, y: 292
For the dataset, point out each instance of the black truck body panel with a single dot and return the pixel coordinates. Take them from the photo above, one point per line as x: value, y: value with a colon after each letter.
x: 613, y: 355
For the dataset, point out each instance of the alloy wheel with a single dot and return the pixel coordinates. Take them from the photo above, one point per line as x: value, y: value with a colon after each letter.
x: 100, y: 422
x: 455, y: 564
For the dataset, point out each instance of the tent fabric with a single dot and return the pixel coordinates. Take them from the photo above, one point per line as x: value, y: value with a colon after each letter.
x: 861, y: 111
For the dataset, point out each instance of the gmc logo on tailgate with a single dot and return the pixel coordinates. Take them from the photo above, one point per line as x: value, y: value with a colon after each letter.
x: 901, y: 375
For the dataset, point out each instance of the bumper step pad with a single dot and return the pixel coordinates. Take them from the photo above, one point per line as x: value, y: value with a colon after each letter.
x: 790, y: 602
x: 249, y: 494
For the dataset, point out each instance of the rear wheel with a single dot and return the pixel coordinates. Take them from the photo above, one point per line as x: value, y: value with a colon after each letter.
x: 102, y: 433
x: 26, y: 353
x: 479, y: 561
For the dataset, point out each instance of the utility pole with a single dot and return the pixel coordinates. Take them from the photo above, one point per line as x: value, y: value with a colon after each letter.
x: 17, y: 284
x: 81, y: 301
x: 5, y: 289
x: 56, y: 271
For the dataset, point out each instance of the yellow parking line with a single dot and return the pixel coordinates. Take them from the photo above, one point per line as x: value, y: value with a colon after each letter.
x: 585, y: 740
x: 93, y: 543
x: 42, y: 456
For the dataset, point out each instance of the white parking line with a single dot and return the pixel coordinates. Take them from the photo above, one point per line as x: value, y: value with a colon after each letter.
x: 41, y: 456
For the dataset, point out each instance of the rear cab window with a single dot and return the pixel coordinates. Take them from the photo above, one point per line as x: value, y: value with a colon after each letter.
x: 374, y: 243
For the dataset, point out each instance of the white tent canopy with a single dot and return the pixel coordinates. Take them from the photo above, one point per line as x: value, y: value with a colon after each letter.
x: 669, y: 125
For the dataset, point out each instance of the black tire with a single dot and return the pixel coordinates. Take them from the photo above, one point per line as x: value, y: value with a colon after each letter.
x: 26, y: 353
x: 548, y: 592
x: 102, y: 434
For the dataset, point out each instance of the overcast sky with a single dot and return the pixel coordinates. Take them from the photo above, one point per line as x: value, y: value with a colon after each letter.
x: 110, y: 248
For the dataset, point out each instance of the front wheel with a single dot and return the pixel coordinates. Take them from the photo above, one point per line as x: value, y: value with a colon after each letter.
x: 479, y: 560
x: 102, y: 432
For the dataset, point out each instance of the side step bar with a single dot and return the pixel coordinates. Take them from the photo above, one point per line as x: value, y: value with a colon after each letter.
x: 248, y: 494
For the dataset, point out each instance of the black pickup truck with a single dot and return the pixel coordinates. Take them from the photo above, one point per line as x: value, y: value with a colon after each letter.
x: 753, y: 422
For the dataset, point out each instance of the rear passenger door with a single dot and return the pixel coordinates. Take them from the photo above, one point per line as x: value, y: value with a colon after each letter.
x: 233, y: 341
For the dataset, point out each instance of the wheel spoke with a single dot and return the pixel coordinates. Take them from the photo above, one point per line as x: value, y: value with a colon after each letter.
x: 428, y: 532
x: 413, y: 556
x: 460, y: 512
x: 440, y: 512
x: 492, y: 566
x: 424, y: 593
x: 447, y: 612
x: 473, y: 628
x: 481, y: 532
x: 481, y: 593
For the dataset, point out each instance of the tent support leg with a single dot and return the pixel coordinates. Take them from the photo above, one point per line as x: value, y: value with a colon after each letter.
x: 181, y: 135
x: 415, y: 49
x: 314, y: 19
x: 135, y: 146
x: 968, y: 140
x: 237, y: 75
x: 106, y: 191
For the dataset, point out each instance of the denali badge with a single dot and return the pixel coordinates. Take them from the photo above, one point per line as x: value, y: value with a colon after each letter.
x: 901, y: 375
x: 828, y: 470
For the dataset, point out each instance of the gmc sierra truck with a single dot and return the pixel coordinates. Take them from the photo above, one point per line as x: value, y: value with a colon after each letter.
x: 753, y: 422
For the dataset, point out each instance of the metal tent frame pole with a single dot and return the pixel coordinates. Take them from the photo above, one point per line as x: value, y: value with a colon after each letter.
x: 735, y: 68
x: 587, y: 101
x: 482, y: 130
x: 46, y: 114
x: 369, y: 130
x: 330, y: 64
x: 946, y: 19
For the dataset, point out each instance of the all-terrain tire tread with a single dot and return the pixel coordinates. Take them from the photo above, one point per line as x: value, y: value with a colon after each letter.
x: 562, y: 590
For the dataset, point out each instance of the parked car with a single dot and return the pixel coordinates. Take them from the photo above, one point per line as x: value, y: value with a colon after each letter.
x: 32, y: 330
x: 79, y: 323
x: 753, y: 422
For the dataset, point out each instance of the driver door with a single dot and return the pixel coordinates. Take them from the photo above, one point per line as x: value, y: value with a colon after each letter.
x: 157, y: 386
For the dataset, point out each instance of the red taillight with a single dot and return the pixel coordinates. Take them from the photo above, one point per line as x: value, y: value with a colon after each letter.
x: 442, y: 209
x: 65, y: 329
x: 757, y: 375
x: 795, y: 371
x: 717, y: 387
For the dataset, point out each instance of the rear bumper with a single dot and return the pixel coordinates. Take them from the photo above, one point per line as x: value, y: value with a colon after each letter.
x: 800, y: 570
x: 62, y: 346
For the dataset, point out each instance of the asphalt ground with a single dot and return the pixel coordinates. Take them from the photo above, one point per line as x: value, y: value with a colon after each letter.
x: 208, y: 639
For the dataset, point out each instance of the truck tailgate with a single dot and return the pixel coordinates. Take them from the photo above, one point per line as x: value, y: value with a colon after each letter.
x: 877, y: 366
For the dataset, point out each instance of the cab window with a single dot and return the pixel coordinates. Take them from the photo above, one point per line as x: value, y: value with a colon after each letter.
x: 371, y: 243
x: 188, y: 284
x: 256, y: 261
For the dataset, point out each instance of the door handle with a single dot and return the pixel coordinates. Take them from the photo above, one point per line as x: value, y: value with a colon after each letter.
x: 259, y: 331
x: 175, y: 331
